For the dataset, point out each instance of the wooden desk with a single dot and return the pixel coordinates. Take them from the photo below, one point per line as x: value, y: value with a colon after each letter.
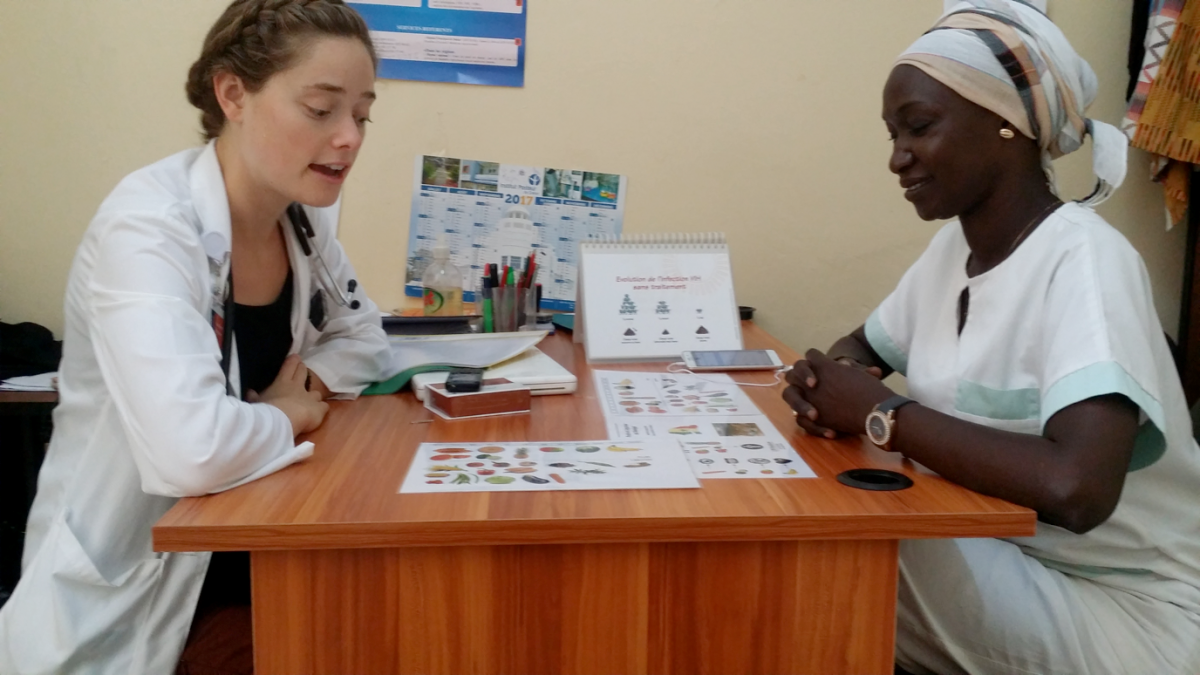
x: 742, y: 576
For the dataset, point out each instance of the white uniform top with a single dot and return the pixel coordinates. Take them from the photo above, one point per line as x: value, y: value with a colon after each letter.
x: 143, y: 419
x: 1067, y: 317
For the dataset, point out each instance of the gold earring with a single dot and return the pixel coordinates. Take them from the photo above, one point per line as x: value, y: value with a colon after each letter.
x: 1007, y: 133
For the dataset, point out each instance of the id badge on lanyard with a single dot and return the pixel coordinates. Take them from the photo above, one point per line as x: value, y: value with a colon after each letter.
x: 222, y: 315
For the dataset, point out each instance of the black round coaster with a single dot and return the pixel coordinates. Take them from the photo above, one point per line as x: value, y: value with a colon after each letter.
x: 874, y: 479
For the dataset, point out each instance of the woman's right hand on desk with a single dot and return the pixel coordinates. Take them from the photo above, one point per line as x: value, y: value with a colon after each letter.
x: 803, y: 380
x: 304, y: 409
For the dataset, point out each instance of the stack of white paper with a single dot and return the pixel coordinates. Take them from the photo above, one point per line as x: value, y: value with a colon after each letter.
x: 40, y: 382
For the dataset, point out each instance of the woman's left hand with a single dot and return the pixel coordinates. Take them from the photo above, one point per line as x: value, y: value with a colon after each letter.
x: 842, y: 396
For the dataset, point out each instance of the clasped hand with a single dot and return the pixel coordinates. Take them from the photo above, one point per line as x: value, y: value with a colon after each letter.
x: 304, y: 409
x: 833, y: 397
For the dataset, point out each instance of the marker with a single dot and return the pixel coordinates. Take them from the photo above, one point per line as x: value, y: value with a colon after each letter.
x: 488, y: 326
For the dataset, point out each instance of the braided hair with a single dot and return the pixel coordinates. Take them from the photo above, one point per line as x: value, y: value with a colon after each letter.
x: 254, y: 39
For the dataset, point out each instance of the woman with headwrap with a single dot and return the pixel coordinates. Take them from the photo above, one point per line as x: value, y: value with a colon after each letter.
x: 1037, y: 369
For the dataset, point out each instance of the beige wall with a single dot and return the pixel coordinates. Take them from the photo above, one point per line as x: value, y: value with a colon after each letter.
x: 756, y: 117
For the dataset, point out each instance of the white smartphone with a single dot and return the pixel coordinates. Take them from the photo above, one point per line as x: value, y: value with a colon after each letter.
x: 732, y: 359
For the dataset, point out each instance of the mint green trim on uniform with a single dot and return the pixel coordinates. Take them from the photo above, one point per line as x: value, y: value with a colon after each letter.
x: 882, y: 343
x: 1110, y: 378
x: 1148, y: 447
x: 997, y: 404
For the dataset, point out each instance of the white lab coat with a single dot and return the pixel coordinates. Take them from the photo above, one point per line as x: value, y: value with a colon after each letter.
x: 143, y: 419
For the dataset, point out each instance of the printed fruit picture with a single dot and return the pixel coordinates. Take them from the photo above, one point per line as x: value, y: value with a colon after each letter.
x: 618, y: 448
x: 499, y: 480
x: 587, y: 448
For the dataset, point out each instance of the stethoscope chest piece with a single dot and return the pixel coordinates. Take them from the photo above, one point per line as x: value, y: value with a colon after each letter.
x: 307, y: 238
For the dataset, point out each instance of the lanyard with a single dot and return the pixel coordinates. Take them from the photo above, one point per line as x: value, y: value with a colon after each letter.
x: 223, y: 327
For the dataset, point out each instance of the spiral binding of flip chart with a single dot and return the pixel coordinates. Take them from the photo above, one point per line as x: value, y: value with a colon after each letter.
x: 653, y: 296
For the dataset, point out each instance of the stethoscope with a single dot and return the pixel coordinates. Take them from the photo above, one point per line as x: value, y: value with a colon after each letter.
x: 316, y: 310
x: 306, y: 236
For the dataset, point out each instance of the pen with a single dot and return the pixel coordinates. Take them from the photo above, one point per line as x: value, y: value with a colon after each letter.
x: 488, y: 325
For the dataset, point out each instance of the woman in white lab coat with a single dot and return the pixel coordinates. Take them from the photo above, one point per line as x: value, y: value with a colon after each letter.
x: 151, y: 407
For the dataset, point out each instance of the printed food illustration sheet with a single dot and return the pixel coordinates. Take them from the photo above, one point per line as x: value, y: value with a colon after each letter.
x: 630, y: 394
x: 722, y: 447
x: 570, y: 465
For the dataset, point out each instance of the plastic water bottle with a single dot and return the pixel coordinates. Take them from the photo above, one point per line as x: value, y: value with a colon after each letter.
x: 443, y: 284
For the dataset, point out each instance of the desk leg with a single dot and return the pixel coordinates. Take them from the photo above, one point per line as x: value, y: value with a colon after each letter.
x: 751, y: 607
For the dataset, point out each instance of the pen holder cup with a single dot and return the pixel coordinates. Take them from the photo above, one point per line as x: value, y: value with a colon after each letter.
x: 528, y: 310
x: 510, y: 306
x: 505, y: 309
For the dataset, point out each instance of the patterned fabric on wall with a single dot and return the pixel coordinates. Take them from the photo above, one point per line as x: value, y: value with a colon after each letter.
x: 1154, y: 131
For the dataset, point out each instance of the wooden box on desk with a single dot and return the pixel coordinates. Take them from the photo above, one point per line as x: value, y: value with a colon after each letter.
x: 496, y: 396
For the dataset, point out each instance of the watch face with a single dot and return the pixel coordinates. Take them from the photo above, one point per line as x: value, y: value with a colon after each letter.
x: 877, y: 428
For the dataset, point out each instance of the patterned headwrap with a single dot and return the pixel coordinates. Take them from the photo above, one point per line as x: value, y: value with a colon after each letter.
x: 1007, y: 57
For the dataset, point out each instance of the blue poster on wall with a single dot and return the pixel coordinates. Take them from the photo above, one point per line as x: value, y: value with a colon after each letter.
x: 464, y: 41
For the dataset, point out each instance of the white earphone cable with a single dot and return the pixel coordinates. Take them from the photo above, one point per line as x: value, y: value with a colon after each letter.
x: 682, y: 369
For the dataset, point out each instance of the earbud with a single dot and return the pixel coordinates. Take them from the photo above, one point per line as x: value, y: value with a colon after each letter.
x: 1007, y: 133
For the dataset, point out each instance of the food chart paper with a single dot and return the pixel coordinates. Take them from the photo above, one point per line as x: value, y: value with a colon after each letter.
x: 539, y: 466
x: 747, y: 446
x: 650, y: 395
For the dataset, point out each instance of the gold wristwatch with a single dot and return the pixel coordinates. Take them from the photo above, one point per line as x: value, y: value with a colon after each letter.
x: 881, y: 422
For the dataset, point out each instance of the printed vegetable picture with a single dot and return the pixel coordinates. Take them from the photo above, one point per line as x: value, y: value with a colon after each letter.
x: 569, y: 465
x: 721, y: 447
x: 640, y: 394
x: 737, y: 458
